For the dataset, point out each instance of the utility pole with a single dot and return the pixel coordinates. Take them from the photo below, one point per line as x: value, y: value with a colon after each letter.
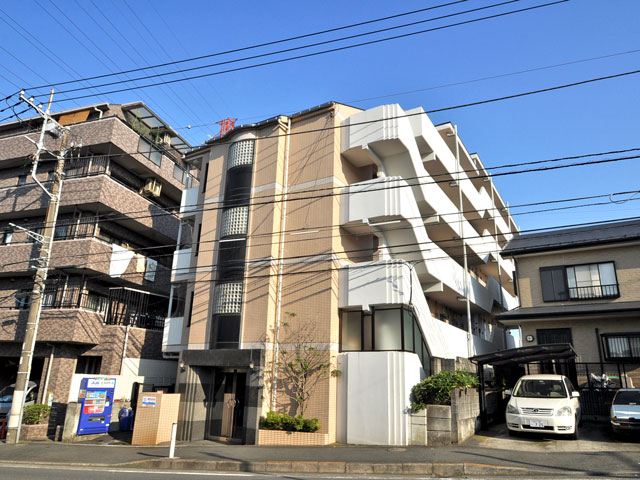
x: 49, y: 125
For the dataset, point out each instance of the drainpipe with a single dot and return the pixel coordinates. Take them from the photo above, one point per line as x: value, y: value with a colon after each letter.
x: 124, y: 348
x: 44, y: 397
x: 283, y: 225
x: 100, y: 112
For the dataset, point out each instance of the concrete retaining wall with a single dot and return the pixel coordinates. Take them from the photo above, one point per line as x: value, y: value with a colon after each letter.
x: 446, y: 424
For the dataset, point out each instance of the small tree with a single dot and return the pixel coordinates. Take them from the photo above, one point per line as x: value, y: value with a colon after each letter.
x: 301, y: 365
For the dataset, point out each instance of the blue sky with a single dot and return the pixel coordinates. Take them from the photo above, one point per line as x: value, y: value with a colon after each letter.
x: 598, y: 117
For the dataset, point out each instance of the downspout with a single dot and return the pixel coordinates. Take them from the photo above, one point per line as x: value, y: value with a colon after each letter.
x: 124, y: 349
x: 283, y: 225
x: 100, y: 112
x: 44, y: 397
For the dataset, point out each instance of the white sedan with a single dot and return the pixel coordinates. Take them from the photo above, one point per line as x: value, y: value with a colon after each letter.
x: 544, y: 403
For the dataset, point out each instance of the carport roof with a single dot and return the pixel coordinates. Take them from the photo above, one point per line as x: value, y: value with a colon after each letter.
x: 532, y: 353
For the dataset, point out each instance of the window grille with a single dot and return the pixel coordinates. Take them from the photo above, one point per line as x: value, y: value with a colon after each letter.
x: 241, y: 153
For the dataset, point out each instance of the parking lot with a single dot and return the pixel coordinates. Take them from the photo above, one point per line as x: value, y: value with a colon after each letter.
x: 594, y: 437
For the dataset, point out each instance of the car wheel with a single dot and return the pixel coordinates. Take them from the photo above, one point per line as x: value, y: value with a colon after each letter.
x: 575, y: 435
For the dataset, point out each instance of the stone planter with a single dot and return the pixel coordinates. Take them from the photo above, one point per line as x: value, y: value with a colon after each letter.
x: 446, y: 424
x: 34, y: 432
x: 279, y: 437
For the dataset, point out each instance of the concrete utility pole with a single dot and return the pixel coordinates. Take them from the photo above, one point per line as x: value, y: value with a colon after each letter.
x: 49, y: 125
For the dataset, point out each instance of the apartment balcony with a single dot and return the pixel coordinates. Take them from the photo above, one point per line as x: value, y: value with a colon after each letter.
x: 101, y: 194
x: 77, y: 325
x: 390, y: 143
x: 394, y: 282
x: 110, y: 135
x: 172, y: 336
x: 391, y: 213
x: 111, y: 262
x: 189, y: 204
x: 181, y: 266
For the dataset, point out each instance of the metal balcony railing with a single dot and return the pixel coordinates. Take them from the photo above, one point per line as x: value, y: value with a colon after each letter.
x: 594, y: 291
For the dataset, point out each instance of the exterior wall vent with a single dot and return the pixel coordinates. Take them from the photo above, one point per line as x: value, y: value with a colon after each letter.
x: 241, y: 153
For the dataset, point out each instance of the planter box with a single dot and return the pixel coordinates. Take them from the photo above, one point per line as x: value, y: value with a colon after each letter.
x: 34, y: 432
x: 279, y: 437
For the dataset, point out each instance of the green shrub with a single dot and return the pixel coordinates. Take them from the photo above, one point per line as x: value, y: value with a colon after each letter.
x: 34, y: 414
x: 436, y: 389
x: 288, y: 423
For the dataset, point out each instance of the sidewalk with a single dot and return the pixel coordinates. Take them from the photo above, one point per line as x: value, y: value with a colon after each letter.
x: 482, y: 456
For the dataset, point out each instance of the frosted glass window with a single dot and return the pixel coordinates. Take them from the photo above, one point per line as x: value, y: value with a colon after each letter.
x: 228, y: 298
x: 407, y: 318
x: 387, y: 330
x: 240, y: 153
x: 607, y: 274
x: 351, y: 331
x: 234, y: 221
x: 368, y: 333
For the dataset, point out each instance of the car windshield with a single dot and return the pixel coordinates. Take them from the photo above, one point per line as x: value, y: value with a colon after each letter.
x: 627, y: 398
x: 540, y: 389
x: 6, y: 394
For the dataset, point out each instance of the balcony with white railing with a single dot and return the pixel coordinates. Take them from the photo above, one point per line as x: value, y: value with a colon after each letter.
x: 172, y: 336
x: 189, y: 202
x: 181, y: 266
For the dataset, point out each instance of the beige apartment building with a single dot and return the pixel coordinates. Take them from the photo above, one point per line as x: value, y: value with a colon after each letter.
x: 347, y: 230
x: 109, y: 284
x: 581, y: 286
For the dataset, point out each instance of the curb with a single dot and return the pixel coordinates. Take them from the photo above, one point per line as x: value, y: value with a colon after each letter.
x: 285, y: 466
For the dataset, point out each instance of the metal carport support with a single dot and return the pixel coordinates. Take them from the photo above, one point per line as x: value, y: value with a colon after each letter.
x: 515, y: 357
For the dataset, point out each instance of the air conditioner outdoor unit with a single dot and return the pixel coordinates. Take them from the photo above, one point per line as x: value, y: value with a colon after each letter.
x: 151, y: 187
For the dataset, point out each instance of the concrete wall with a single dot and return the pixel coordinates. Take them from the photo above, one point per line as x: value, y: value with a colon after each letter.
x: 446, y: 424
x: 373, y: 397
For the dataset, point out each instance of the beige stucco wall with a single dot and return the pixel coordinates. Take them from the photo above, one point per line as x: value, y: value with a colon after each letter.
x: 627, y: 264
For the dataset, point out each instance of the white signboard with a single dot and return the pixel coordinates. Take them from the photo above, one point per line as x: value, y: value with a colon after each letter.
x: 101, y: 382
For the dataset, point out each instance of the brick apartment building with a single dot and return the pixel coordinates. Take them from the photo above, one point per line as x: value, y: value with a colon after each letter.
x: 351, y: 220
x: 108, y: 288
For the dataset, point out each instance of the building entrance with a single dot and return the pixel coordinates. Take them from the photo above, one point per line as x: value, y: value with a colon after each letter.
x: 226, y: 408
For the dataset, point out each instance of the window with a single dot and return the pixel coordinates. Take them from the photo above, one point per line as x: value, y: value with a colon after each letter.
x: 597, y: 280
x: 89, y: 365
x: 392, y: 329
x: 196, y: 248
x: 6, y: 237
x: 622, y: 346
x: 22, y: 180
x: 23, y: 300
x: 206, y: 175
x: 579, y: 282
x: 150, y: 151
x: 553, y: 284
x: 179, y: 173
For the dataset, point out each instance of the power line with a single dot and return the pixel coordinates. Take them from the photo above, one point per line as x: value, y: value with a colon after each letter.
x: 322, y: 52
x: 445, y: 85
x: 251, y: 47
x: 438, y: 244
x: 208, y: 206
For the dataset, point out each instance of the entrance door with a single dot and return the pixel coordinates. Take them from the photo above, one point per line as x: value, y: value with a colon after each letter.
x: 226, y: 410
